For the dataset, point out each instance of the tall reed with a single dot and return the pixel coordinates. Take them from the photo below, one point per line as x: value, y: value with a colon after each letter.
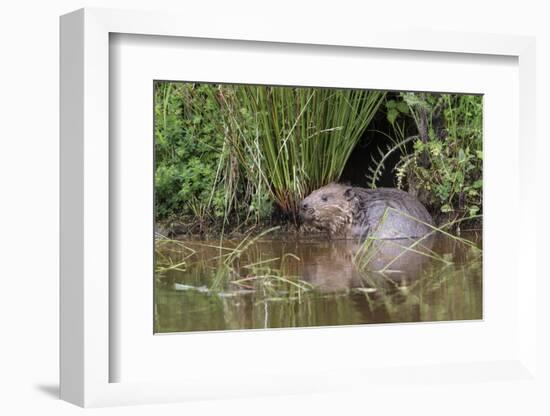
x: 295, y: 140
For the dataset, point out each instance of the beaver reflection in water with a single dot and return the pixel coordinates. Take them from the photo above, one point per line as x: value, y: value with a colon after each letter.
x: 354, y: 212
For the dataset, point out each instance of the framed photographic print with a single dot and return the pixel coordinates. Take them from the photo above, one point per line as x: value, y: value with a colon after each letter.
x: 275, y: 206
x: 271, y: 212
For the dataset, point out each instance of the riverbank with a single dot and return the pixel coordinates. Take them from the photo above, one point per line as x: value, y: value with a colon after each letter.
x: 191, y: 228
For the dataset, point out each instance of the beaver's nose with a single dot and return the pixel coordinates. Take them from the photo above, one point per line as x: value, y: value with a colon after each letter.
x: 304, y: 205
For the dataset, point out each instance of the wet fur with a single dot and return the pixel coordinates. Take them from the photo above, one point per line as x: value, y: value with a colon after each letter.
x: 353, y: 212
x: 334, y: 216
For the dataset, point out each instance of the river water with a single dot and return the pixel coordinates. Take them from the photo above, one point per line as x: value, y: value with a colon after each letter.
x: 286, y: 281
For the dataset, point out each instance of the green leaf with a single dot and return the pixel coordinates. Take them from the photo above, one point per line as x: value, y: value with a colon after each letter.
x: 478, y: 184
x: 403, y: 107
x: 418, y: 146
x: 392, y: 115
x: 473, y: 210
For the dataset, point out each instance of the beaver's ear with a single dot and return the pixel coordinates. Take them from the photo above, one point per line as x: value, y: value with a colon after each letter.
x: 349, y: 194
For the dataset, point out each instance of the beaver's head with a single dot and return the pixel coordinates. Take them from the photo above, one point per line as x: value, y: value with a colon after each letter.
x: 329, y: 208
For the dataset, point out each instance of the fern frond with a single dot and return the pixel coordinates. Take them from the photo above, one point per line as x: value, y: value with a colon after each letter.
x: 377, y: 170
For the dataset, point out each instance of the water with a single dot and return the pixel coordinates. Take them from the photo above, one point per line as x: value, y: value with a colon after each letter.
x: 285, y: 281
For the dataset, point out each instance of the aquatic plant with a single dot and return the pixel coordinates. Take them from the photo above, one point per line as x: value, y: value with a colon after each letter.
x: 170, y: 255
x: 236, y: 267
x: 301, y: 137
x: 371, y: 246
x: 265, y: 289
x: 274, y: 282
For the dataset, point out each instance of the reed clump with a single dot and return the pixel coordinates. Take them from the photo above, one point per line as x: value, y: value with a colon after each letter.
x: 235, y: 154
x: 302, y: 137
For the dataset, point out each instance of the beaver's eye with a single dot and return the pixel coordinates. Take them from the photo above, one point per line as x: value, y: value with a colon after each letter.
x: 324, y: 198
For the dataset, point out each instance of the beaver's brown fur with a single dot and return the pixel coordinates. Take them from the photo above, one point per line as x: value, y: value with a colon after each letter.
x: 327, y: 209
x: 353, y: 212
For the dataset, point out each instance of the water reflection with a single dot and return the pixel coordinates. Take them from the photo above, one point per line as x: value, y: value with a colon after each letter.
x: 288, y: 282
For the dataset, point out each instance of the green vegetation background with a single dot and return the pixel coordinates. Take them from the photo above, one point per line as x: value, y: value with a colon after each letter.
x: 230, y: 157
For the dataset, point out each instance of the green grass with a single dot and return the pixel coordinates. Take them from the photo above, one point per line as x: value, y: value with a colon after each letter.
x: 303, y: 136
x: 228, y: 154
x: 230, y: 157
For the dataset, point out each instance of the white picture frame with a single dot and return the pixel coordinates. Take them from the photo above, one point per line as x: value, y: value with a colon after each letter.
x: 86, y: 305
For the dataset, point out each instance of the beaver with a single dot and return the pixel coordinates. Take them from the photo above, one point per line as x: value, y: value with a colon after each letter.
x: 353, y: 212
